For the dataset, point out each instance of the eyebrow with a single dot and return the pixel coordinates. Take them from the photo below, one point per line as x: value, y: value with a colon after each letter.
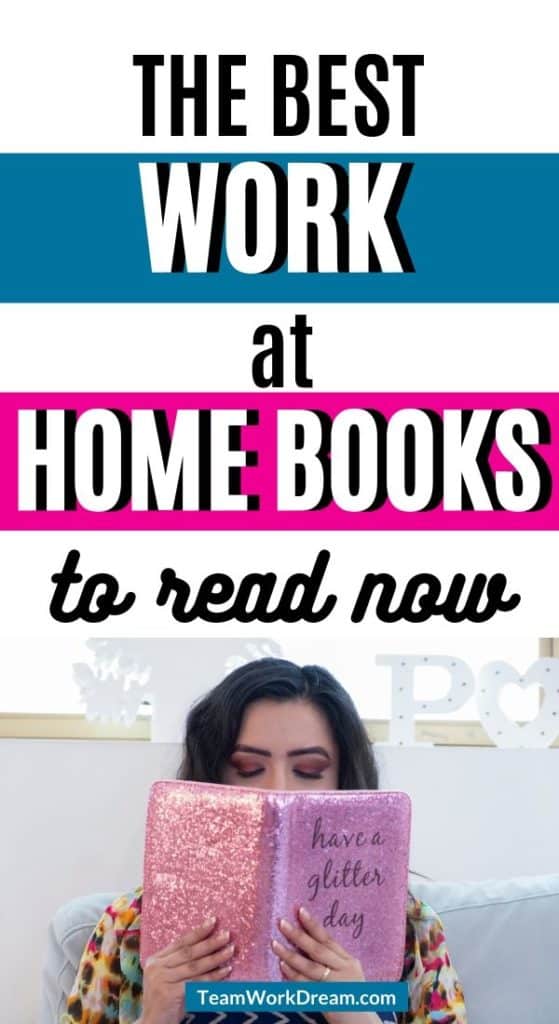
x: 242, y: 748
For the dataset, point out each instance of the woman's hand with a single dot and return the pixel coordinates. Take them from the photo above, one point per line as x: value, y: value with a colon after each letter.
x: 196, y: 956
x: 317, y: 957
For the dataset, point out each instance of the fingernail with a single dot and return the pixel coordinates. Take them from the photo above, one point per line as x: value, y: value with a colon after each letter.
x: 211, y: 920
x: 304, y: 912
x: 285, y: 924
x: 230, y: 948
x: 227, y: 969
x: 275, y: 945
x: 224, y: 935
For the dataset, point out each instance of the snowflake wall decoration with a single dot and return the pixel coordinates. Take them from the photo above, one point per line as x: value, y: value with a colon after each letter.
x: 127, y: 673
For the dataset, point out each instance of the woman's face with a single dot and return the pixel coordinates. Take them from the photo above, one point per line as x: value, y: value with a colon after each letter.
x: 283, y: 745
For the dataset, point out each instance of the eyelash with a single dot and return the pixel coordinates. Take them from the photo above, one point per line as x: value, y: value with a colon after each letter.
x: 302, y: 775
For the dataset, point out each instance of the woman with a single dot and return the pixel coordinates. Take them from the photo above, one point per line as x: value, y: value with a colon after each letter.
x: 273, y: 725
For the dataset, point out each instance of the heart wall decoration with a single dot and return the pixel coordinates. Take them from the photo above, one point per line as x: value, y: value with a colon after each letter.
x: 544, y: 729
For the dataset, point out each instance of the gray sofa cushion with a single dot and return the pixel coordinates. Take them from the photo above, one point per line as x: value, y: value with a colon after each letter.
x: 503, y: 937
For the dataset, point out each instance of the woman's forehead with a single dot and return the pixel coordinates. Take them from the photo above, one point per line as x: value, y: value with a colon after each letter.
x: 289, y: 722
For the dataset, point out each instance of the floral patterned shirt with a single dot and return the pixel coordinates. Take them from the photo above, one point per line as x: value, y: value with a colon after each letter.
x: 108, y: 986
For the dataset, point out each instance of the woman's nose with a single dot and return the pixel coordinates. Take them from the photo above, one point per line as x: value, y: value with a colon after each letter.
x: 277, y: 776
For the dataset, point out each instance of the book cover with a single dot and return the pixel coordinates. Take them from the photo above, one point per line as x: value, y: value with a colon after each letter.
x: 252, y: 856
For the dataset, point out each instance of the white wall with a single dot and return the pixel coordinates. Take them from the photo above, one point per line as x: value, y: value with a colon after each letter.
x: 73, y: 813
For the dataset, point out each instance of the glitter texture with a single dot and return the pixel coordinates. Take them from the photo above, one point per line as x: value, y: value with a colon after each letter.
x: 250, y: 856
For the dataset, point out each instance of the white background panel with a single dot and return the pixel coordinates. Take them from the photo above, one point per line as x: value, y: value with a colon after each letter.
x: 136, y: 559
x: 489, y: 81
x: 354, y: 347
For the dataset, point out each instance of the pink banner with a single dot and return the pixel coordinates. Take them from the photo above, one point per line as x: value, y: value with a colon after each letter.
x: 303, y: 461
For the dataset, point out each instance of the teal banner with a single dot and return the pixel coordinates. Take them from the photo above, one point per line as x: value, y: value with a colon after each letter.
x: 297, y: 997
x: 279, y: 228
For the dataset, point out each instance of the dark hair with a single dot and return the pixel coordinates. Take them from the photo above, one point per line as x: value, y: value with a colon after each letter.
x: 214, y: 722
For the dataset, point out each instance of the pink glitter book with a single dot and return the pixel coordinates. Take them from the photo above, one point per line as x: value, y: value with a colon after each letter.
x: 251, y: 856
